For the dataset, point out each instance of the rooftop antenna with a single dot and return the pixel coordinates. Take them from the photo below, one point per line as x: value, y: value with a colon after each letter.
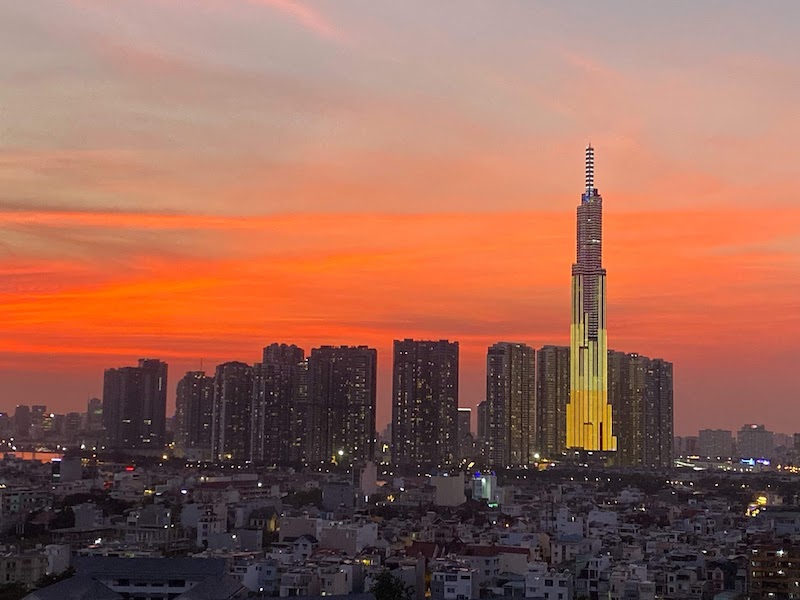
x: 589, y: 170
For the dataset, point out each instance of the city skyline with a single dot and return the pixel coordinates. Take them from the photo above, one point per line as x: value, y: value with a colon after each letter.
x: 338, y: 189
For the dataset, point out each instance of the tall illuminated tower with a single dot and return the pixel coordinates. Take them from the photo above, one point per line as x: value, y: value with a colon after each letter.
x: 589, y: 410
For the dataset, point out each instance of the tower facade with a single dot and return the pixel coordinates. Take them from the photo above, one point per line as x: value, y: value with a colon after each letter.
x: 342, y: 395
x: 232, y: 422
x: 276, y: 382
x: 425, y: 403
x: 589, y: 412
x: 511, y: 398
x: 135, y: 406
x: 641, y: 394
x: 552, y: 396
x: 194, y: 408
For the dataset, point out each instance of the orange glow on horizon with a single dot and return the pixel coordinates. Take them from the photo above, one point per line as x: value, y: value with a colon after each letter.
x: 676, y: 286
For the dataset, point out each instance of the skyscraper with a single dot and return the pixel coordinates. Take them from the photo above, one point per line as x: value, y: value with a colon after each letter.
x: 425, y: 403
x: 658, y: 415
x: 232, y: 420
x: 552, y: 396
x: 640, y: 390
x: 275, y: 391
x: 589, y: 413
x: 135, y: 406
x: 194, y: 410
x: 511, y: 404
x: 342, y: 396
x: 626, y: 391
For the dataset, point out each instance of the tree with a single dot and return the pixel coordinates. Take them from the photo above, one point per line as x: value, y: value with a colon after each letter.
x: 389, y: 587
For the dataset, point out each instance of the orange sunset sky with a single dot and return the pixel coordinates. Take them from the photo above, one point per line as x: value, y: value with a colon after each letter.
x: 194, y: 179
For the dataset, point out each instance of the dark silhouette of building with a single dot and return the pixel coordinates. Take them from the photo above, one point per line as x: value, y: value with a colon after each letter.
x: 94, y: 414
x: 38, y: 416
x: 194, y: 410
x: 135, y: 406
x: 483, y: 426
x: 276, y: 389
x: 22, y: 421
x: 342, y: 397
x: 552, y: 396
x: 232, y: 419
x: 511, y: 404
x: 659, y: 415
x: 640, y: 390
x: 425, y: 407
x: 466, y: 441
x: 715, y: 443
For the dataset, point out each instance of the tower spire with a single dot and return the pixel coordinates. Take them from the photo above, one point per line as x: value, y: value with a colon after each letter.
x: 589, y: 170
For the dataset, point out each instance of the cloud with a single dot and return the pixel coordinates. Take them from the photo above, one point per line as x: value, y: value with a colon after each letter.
x: 311, y: 19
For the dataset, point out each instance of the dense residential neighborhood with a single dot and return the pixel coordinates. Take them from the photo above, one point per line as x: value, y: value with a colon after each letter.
x: 91, y: 529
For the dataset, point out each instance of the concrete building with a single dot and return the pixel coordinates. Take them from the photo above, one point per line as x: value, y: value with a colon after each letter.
x: 552, y: 396
x: 22, y: 568
x: 483, y: 426
x: 640, y: 390
x: 194, y: 413
x: 175, y: 578
x: 135, y: 406
x: 453, y: 580
x: 716, y: 443
x: 542, y: 583
x: 754, y: 441
x: 276, y: 383
x: 232, y: 421
x: 425, y: 403
x: 511, y: 405
x: 342, y: 393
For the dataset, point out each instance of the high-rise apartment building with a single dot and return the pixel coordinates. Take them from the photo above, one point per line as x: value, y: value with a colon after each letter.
x: 342, y: 397
x: 194, y: 412
x: 626, y: 390
x: 589, y: 412
x: 232, y: 419
x: 552, y: 397
x: 716, y: 443
x: 482, y: 414
x: 755, y: 441
x: 511, y: 404
x: 135, y: 406
x: 22, y: 421
x: 658, y: 415
x: 425, y: 403
x: 276, y: 387
x: 640, y: 390
x: 466, y: 441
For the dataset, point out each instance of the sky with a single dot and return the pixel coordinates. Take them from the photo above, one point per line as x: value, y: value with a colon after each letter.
x: 192, y: 180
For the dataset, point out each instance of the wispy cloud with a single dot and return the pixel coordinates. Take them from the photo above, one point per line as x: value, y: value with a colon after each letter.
x: 309, y: 18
